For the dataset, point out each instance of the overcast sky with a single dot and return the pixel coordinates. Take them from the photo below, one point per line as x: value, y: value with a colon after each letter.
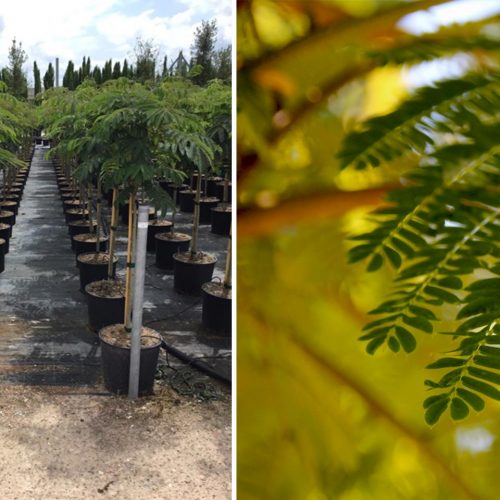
x: 104, y: 29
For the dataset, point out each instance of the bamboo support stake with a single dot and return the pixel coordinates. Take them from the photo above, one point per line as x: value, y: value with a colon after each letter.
x: 98, y: 217
x: 112, y: 231
x: 132, y: 215
x: 196, y: 218
x: 228, y: 270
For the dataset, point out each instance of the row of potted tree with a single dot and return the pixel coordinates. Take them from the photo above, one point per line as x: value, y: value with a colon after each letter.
x: 125, y: 139
x: 16, y: 148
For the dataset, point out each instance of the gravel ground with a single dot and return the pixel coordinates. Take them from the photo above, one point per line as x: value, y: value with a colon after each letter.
x: 57, y: 445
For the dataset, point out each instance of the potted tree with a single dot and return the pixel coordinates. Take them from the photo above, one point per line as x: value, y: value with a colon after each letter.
x: 217, y: 298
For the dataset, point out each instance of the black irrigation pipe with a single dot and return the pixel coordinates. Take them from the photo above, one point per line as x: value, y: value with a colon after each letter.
x: 195, y: 362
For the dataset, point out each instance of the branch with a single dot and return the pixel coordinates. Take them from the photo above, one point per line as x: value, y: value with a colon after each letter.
x: 259, y: 222
x: 454, y: 480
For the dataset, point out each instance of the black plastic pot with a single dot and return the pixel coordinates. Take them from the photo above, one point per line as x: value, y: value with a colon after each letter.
x: 216, y: 312
x: 2, y: 254
x: 206, y: 205
x: 175, y: 188
x: 78, y: 227
x: 92, y: 271
x: 10, y: 205
x: 7, y: 217
x: 156, y: 227
x: 166, y: 247
x: 5, y: 234
x: 89, y: 246
x: 72, y: 204
x: 116, y: 367
x: 210, y: 184
x: 221, y: 221
x: 219, y: 191
x: 104, y: 311
x: 194, y: 179
x: 76, y: 214
x: 186, y: 200
x: 189, y: 275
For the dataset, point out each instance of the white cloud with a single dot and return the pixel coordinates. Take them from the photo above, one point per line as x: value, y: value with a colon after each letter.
x: 103, y: 29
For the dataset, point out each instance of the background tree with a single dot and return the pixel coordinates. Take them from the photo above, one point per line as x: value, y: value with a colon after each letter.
x: 146, y: 54
x: 48, y: 78
x: 15, y: 77
x: 37, y: 78
x: 223, y: 64
x: 203, y: 51
x: 116, y: 70
x: 125, y: 70
x: 107, y: 71
x: 68, y: 80
x: 349, y: 149
x: 96, y: 75
x: 164, y: 71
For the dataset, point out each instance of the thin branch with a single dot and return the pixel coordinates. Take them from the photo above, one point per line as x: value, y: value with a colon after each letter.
x: 453, y: 479
x: 340, y: 30
x: 260, y: 222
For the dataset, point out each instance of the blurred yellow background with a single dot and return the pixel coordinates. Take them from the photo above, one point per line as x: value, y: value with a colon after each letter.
x: 317, y: 417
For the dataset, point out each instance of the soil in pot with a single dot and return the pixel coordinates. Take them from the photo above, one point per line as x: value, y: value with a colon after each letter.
x: 86, y: 242
x: 206, y: 205
x: 69, y: 204
x: 79, y: 227
x: 76, y: 214
x: 94, y: 267
x: 190, y: 273
x: 5, y: 234
x: 216, y: 312
x: 10, y: 206
x: 7, y: 217
x: 106, y: 303
x: 168, y: 244
x: 115, y: 354
x: 156, y: 227
x: 221, y: 220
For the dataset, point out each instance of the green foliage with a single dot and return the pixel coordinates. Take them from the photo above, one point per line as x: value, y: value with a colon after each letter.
x: 441, y: 229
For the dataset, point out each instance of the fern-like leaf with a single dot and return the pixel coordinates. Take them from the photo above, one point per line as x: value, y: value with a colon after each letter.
x: 447, y: 106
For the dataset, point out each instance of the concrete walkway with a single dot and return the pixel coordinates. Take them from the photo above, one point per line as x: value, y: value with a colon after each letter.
x: 44, y: 338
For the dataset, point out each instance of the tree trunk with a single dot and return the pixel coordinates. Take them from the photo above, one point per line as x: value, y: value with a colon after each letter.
x: 129, y: 278
x: 112, y: 231
x: 98, y: 217
x: 196, y: 218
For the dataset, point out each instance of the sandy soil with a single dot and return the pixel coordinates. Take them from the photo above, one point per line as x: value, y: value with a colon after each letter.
x: 62, y: 445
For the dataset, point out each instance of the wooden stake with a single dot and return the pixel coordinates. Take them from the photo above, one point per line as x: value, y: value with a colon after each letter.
x: 112, y: 232
x: 129, y: 277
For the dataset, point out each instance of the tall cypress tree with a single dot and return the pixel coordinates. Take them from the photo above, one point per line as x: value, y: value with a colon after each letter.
x: 107, y: 71
x: 116, y: 70
x: 36, y: 77
x: 164, y: 72
x: 69, y: 76
x: 125, y: 70
x: 97, y: 75
x: 48, y: 78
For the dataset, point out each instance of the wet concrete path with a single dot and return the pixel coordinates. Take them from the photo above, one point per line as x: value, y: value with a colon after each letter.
x: 44, y: 338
